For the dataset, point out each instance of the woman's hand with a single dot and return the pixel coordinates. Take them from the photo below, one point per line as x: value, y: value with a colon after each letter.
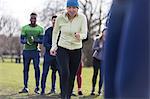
x: 77, y: 35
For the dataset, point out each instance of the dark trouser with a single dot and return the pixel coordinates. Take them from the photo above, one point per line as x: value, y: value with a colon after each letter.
x: 48, y: 61
x: 27, y: 56
x: 97, y: 65
x: 68, y: 62
x: 54, y: 69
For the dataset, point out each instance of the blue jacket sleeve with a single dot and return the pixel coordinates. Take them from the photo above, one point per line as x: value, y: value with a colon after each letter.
x: 23, y: 39
x: 39, y: 39
x: 96, y: 45
x: 46, y: 40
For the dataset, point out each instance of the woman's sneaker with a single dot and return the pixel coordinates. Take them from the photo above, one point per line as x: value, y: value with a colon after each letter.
x: 80, y: 93
x: 92, y: 93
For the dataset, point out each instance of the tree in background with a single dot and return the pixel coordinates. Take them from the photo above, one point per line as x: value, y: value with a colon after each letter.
x: 3, y: 40
x: 96, y: 15
x: 8, y: 28
x: 52, y: 7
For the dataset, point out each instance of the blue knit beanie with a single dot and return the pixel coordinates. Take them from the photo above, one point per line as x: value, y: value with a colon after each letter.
x: 73, y: 3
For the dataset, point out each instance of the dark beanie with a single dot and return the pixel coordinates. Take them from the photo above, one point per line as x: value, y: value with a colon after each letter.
x: 73, y: 3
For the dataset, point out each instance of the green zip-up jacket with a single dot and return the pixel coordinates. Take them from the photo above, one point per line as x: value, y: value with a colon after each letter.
x: 28, y: 32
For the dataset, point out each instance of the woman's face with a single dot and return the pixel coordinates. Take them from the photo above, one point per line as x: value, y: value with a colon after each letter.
x: 72, y: 11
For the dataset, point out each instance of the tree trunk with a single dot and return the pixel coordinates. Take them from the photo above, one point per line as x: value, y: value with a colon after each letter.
x: 87, y: 52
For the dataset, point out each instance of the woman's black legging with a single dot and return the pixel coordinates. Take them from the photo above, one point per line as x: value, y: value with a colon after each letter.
x: 68, y: 62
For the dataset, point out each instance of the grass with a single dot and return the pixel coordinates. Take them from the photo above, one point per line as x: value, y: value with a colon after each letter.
x: 11, y: 81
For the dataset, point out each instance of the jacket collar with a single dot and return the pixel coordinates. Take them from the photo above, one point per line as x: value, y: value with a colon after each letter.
x: 65, y: 16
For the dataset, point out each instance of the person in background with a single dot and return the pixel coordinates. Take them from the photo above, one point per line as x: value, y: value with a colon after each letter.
x: 126, y: 51
x: 49, y: 60
x: 79, y: 78
x: 73, y: 27
x: 79, y: 73
x: 31, y: 37
x: 97, y: 49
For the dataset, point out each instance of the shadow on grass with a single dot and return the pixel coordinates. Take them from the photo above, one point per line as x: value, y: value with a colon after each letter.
x: 54, y: 96
x: 89, y: 97
x: 35, y: 96
x: 29, y: 96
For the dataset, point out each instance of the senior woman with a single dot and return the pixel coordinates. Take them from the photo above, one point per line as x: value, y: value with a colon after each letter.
x: 73, y: 27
